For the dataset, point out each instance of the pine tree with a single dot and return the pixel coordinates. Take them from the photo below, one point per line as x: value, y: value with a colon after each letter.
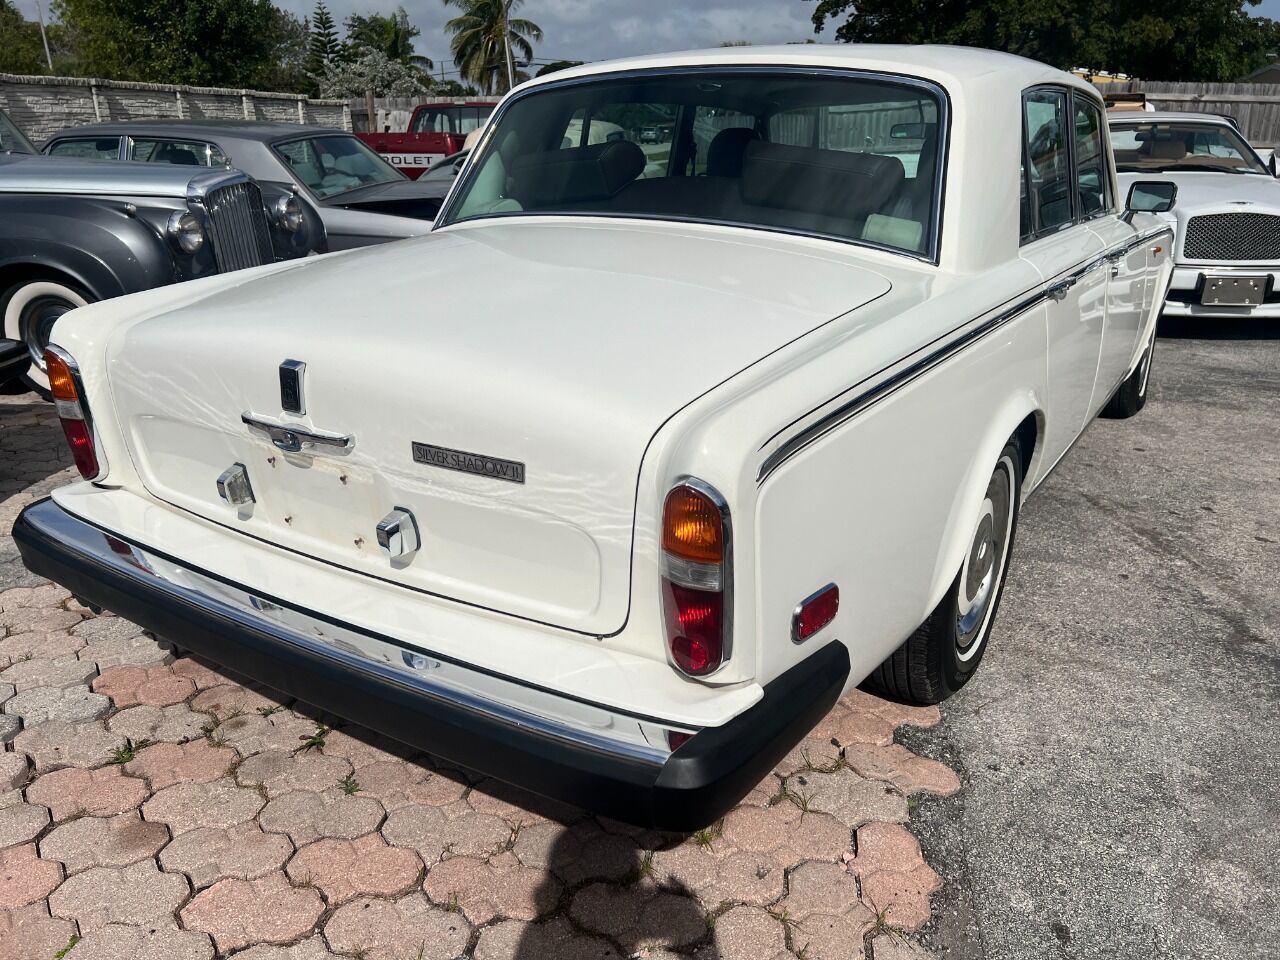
x: 323, y: 46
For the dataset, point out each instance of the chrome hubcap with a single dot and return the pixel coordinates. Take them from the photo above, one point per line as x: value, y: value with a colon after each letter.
x: 985, y: 562
x: 37, y: 325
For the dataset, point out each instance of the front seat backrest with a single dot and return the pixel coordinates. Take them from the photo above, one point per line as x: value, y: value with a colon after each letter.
x: 728, y: 150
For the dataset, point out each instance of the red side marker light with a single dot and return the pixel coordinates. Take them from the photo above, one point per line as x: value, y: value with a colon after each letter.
x: 815, y: 612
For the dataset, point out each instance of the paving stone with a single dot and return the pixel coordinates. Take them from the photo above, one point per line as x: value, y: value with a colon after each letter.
x: 821, y: 888
x: 756, y: 879
x: 580, y: 852
x: 99, y: 793
x: 118, y: 942
x: 139, y: 650
x: 29, y: 933
x: 519, y: 807
x: 749, y: 933
x: 210, y: 854
x: 73, y: 704
x: 254, y: 733
x: 103, y: 841
x: 345, y: 869
x: 239, y: 913
x: 850, y: 798
x: 228, y: 700
x: 13, y: 770
x: 138, y: 895
x: 833, y: 937
x: 886, y: 846
x: 7, y: 691
x: 902, y: 897
x: 280, y: 771
x: 38, y: 645
x: 203, y: 675
x: 499, y: 888
x: 556, y: 939
x: 164, y: 764
x: 361, y: 747
x: 9, y: 728
x: 188, y: 806
x: 809, y: 753
x: 64, y: 671
x: 106, y: 628
x: 639, y: 917
x: 57, y: 743
x: 400, y: 783
x: 787, y: 832
x: 25, y: 878
x: 905, y: 770
x: 391, y: 930
x: 429, y: 831
x: 152, y: 686
x: 40, y: 619
x: 896, y: 713
x: 172, y: 724
x: 21, y: 822
x: 306, y: 815
x: 894, y: 946
x: 312, y: 948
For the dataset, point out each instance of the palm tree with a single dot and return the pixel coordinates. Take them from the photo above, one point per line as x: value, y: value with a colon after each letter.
x: 480, y: 37
x: 390, y: 35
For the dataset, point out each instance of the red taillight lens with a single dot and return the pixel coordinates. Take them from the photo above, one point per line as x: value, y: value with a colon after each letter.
x: 695, y: 628
x: 695, y: 583
x: 76, y: 427
x: 815, y: 612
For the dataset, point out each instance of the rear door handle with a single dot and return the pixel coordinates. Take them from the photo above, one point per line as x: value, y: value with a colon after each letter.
x: 1058, y: 291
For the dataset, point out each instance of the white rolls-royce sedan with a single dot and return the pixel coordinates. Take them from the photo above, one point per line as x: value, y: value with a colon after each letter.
x: 613, y: 483
x: 1227, y: 250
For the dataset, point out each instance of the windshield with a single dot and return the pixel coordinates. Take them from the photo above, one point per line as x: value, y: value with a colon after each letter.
x: 11, y: 138
x: 1188, y: 145
x: 853, y: 158
x: 330, y: 165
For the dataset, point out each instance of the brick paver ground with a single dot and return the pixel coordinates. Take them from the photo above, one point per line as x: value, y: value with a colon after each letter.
x: 156, y: 806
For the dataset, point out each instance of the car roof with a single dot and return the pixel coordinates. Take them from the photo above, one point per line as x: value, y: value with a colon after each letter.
x: 953, y: 67
x: 263, y: 130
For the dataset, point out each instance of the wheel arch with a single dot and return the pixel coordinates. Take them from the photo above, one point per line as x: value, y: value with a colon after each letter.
x: 1019, y: 417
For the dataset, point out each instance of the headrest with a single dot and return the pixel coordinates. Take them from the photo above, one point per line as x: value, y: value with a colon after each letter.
x: 595, y: 172
x: 836, y: 183
x: 728, y: 150
x: 1167, y: 149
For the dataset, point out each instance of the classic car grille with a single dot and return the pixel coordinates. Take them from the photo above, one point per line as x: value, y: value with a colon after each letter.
x: 1233, y: 236
x: 238, y: 227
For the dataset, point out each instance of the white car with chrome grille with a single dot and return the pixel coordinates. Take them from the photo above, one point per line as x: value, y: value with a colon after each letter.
x: 1227, y: 218
x: 614, y: 482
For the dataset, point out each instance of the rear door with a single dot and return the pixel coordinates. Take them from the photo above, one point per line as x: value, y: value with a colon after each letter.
x: 1070, y: 257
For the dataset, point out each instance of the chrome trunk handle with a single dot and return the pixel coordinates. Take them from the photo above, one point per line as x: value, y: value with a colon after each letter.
x: 293, y: 437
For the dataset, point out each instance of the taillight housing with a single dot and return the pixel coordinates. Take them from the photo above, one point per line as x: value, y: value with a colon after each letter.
x: 68, y: 396
x: 697, y: 597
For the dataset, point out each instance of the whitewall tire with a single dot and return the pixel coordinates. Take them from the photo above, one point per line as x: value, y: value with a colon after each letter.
x: 30, y: 310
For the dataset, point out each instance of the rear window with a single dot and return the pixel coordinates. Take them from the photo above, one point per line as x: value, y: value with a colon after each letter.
x: 89, y: 148
x: 184, y: 153
x: 851, y: 157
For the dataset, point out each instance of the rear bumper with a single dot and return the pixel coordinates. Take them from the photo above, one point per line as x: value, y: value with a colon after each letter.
x: 611, y: 762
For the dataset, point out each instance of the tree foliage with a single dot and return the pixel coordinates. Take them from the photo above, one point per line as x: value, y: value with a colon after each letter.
x: 1204, y: 40
x: 391, y: 35
x: 478, y: 47
x: 323, y: 43
x: 20, y: 48
x: 372, y: 70
x: 229, y: 43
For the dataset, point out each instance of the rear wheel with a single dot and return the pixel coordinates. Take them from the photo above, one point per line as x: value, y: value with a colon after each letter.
x: 30, y: 310
x: 943, y: 653
x: 1131, y: 396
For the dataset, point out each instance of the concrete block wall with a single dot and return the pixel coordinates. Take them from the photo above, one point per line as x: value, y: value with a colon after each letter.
x: 43, y: 106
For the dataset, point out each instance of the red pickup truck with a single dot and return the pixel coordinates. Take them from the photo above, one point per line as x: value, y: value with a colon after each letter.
x: 436, y: 130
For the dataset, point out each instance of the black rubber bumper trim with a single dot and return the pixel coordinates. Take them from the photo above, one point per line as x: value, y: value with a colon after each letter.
x: 696, y: 785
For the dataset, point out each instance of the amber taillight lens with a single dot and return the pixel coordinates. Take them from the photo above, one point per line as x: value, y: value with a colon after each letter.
x: 64, y: 385
x: 696, y: 601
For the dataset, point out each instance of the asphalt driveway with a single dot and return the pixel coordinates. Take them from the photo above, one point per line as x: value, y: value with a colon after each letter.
x: 1118, y: 750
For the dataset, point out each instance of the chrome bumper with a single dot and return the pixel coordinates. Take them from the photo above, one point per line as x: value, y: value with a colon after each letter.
x: 611, y: 762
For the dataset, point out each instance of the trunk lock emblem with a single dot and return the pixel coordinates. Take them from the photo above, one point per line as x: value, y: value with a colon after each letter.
x: 398, y: 533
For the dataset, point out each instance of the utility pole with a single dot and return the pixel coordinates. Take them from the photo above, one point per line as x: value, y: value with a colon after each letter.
x: 44, y: 36
x: 506, y: 43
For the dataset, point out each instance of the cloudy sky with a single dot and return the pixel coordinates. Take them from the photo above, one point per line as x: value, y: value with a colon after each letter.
x: 603, y: 29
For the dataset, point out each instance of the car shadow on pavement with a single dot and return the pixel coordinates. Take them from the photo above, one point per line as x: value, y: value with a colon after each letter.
x: 1216, y: 328
x: 32, y: 447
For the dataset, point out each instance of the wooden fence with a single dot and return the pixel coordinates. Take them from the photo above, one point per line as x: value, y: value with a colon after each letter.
x: 1255, y: 106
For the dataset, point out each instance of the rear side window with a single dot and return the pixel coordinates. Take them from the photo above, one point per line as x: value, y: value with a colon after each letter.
x: 1046, y: 163
x: 1093, y: 178
x: 88, y: 148
x: 186, y: 153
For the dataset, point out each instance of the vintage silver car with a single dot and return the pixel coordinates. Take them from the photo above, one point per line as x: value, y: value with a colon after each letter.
x: 75, y: 231
x: 361, y: 198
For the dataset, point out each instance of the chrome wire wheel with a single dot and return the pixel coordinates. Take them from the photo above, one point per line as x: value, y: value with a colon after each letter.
x: 984, y: 563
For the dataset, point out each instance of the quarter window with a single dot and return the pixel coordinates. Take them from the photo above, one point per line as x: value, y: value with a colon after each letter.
x: 1093, y: 178
x: 1046, y: 163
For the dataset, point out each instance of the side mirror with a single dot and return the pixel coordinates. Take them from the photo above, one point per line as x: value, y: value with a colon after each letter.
x: 1150, y: 196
